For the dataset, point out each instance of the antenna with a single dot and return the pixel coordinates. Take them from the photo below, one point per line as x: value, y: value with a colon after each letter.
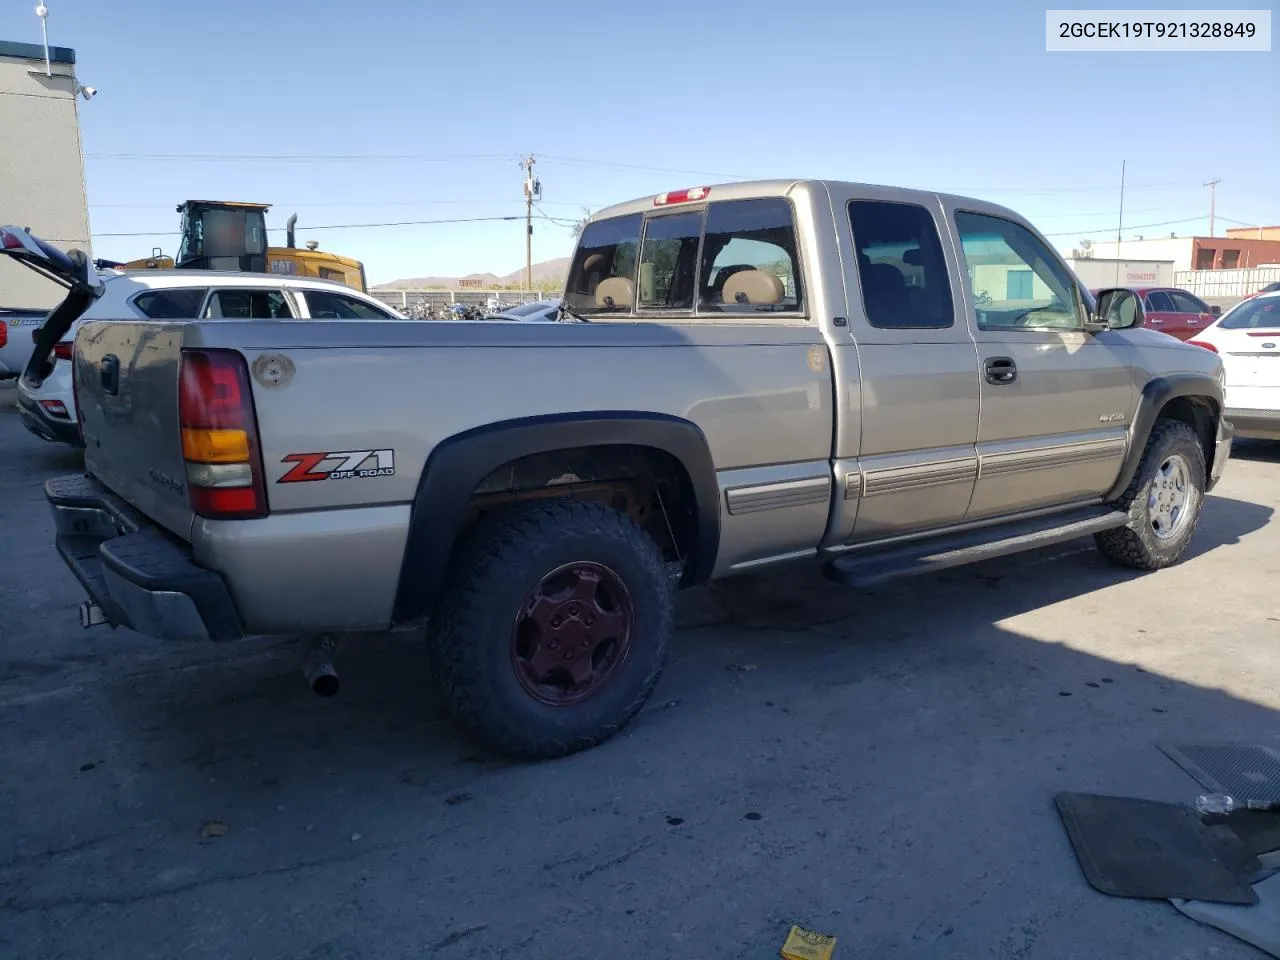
x: 43, y: 13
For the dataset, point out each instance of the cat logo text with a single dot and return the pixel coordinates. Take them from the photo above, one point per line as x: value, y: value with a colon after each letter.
x: 339, y: 465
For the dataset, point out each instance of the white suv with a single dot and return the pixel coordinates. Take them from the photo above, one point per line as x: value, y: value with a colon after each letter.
x: 1247, y: 337
x: 49, y: 411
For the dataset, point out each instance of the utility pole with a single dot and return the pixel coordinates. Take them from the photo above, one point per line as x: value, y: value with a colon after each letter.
x: 1213, y: 190
x: 532, y: 191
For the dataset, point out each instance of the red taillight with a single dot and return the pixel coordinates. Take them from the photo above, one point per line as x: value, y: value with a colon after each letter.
x: 56, y: 408
x: 64, y: 350
x: 10, y: 241
x: 4, y: 333
x: 681, y: 196
x: 220, y: 436
x: 1201, y: 343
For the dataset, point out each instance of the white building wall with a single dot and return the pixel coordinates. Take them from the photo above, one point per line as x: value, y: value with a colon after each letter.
x: 41, y: 164
x: 1177, y: 249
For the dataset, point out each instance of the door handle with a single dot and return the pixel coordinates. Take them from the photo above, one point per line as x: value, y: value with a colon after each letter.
x: 1001, y: 370
x: 109, y: 374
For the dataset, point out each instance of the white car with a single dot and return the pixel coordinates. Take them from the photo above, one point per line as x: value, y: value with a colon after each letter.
x: 49, y: 411
x: 1247, y: 337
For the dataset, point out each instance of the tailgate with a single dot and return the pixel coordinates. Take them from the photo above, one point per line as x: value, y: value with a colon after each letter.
x: 127, y: 392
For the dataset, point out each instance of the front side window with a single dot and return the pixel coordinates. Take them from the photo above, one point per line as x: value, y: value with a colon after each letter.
x: 1186, y: 303
x: 249, y: 305
x: 905, y: 285
x: 171, y: 304
x: 323, y: 305
x: 603, y: 273
x: 749, y: 261
x: 669, y: 260
x: 1160, y: 302
x: 999, y: 254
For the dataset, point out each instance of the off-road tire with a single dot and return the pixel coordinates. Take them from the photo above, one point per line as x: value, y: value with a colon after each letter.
x: 470, y: 633
x: 1136, y: 545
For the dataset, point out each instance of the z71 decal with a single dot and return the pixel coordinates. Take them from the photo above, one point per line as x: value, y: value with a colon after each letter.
x: 339, y: 465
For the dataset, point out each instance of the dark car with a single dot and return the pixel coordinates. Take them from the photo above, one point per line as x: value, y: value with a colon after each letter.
x: 536, y: 311
x: 1167, y: 309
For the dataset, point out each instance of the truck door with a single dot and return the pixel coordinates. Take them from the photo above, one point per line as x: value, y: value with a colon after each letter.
x: 1056, y: 400
x: 916, y: 462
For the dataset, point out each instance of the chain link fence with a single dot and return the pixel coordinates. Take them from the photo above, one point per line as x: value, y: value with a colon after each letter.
x: 410, y: 302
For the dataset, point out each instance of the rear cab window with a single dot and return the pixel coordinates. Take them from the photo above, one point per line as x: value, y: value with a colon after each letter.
x: 728, y: 257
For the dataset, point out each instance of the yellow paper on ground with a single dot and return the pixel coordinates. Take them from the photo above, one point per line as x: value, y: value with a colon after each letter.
x: 805, y: 944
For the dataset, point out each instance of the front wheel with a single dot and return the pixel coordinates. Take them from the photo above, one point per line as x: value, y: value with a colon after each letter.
x: 1163, y: 501
x: 553, y: 628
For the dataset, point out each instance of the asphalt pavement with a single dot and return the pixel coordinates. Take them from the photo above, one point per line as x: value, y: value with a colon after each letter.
x: 876, y: 765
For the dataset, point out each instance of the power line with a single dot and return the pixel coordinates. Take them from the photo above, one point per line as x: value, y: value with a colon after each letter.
x: 557, y: 158
x: 341, y: 226
x: 1135, y: 226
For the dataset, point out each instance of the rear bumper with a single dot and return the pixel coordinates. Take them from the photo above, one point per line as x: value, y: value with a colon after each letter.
x: 1256, y: 424
x: 46, y: 427
x: 140, y: 577
x: 1221, y: 451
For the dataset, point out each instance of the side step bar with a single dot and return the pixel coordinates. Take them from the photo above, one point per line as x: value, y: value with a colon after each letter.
x: 865, y: 569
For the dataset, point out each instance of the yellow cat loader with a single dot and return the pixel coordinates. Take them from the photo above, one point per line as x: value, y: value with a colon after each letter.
x: 217, y: 235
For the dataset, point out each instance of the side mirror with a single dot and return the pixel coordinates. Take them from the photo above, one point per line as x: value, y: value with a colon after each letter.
x: 1216, y: 310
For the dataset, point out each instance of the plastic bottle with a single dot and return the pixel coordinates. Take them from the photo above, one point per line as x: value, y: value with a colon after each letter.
x: 1214, y: 805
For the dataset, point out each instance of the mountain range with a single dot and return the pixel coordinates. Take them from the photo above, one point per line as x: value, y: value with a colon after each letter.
x: 543, y: 272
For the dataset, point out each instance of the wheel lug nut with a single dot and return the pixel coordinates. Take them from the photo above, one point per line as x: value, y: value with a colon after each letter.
x: 555, y: 621
x: 591, y: 621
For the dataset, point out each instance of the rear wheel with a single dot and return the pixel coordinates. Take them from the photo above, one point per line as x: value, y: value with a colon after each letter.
x: 553, y: 628
x: 1163, y: 501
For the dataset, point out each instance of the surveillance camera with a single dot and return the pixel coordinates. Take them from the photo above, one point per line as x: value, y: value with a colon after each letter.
x: 88, y: 92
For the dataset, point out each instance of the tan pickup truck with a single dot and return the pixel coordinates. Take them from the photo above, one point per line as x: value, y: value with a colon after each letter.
x: 891, y: 381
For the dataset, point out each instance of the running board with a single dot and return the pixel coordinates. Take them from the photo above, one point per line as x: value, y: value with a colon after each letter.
x: 865, y: 569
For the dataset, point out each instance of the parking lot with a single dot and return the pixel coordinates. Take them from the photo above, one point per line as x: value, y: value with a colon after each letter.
x: 877, y: 765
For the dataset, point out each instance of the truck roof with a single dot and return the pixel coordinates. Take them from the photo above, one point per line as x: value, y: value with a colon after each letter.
x: 750, y: 189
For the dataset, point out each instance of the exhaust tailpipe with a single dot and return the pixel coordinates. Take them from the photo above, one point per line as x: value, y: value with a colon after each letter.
x: 288, y: 227
x: 319, y: 671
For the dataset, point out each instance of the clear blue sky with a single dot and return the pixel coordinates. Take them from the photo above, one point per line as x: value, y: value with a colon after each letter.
x: 619, y: 100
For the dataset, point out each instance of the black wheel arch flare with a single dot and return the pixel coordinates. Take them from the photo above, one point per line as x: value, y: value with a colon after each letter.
x: 457, y: 466
x: 1157, y: 393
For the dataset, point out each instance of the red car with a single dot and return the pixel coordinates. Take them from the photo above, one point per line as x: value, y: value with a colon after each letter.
x: 1167, y: 309
x: 1269, y: 288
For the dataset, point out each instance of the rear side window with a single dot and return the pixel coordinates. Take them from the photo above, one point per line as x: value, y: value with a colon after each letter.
x: 1253, y: 315
x: 669, y: 260
x: 323, y: 305
x: 171, y: 304
x: 249, y: 305
x: 1160, y: 302
x: 602, y: 276
x: 905, y: 285
x: 749, y: 262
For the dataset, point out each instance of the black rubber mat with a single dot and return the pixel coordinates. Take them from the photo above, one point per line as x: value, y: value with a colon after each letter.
x: 1147, y: 850
x: 1247, y: 772
x: 1258, y: 830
